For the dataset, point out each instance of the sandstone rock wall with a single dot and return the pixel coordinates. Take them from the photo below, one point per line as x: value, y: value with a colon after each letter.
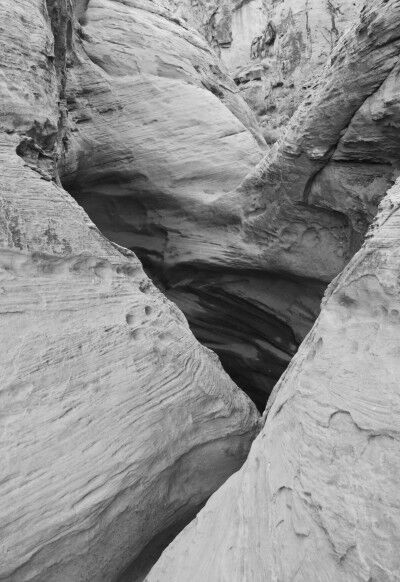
x: 317, y: 498
x: 157, y: 129
x: 296, y: 42
x: 116, y: 424
x: 320, y: 163
x: 273, y: 49
x: 248, y: 265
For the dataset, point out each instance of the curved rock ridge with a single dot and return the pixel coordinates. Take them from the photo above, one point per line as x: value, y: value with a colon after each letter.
x: 149, y: 99
x: 157, y: 144
x: 317, y: 165
x: 156, y: 129
x: 317, y: 498
x: 116, y: 425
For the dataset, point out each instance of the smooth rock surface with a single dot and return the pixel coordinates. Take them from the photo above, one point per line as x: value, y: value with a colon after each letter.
x: 116, y: 425
x: 317, y: 498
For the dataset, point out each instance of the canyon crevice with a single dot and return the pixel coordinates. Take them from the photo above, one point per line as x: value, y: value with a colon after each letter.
x: 116, y: 424
x: 166, y: 158
x: 317, y: 498
x: 182, y: 183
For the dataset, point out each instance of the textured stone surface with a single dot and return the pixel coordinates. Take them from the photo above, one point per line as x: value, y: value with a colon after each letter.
x: 116, y: 424
x: 157, y: 145
x: 297, y: 39
x: 152, y: 107
x: 317, y: 498
x: 273, y: 49
x: 320, y: 163
x: 309, y: 203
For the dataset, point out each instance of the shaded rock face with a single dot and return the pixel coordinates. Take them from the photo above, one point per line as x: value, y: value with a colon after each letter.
x: 317, y: 498
x: 116, y: 424
x: 254, y: 321
x: 158, y: 146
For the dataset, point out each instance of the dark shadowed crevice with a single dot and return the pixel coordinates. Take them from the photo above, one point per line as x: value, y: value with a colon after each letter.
x: 150, y: 554
x: 254, y: 320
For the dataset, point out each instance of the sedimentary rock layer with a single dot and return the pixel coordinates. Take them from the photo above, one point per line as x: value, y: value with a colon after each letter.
x: 116, y: 424
x: 317, y: 498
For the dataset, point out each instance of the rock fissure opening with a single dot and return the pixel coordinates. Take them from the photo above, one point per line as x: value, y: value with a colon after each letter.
x: 253, y: 338
x: 253, y: 320
x: 159, y: 172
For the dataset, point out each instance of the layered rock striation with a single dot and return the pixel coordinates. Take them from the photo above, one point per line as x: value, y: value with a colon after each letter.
x: 117, y: 424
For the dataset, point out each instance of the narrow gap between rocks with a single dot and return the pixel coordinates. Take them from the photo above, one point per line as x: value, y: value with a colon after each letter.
x: 253, y: 320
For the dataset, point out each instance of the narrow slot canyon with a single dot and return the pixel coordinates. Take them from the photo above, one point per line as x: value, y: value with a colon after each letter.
x: 254, y: 321
x: 243, y: 242
x: 199, y: 292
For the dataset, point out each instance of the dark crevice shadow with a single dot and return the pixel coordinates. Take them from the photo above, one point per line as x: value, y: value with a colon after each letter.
x: 254, y: 339
x: 142, y: 565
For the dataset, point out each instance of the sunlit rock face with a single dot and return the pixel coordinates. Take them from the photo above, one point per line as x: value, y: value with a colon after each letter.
x: 292, y: 50
x: 229, y: 26
x: 317, y: 498
x: 116, y: 424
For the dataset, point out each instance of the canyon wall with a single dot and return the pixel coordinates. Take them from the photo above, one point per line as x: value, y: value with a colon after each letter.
x: 165, y: 164
x: 116, y: 424
x: 317, y: 498
x: 274, y: 49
